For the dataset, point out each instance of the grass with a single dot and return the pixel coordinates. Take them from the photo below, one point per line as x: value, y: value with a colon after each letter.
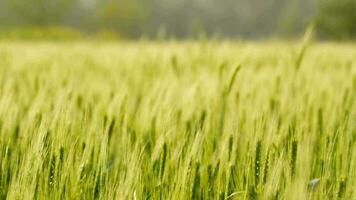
x: 86, y: 120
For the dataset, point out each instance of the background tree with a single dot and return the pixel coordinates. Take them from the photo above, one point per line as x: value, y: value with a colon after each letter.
x: 38, y: 12
x: 251, y: 19
x: 336, y: 19
x: 125, y: 16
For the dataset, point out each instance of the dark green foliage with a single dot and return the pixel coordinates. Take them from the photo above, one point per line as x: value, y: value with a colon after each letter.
x: 228, y: 89
x: 258, y: 162
x: 293, y: 157
x: 231, y: 142
x: 266, y: 168
x: 52, y: 171
x: 342, y: 187
x: 202, y: 119
x: 163, y: 160
x: 196, y: 193
x: 97, y: 187
x: 111, y: 129
x: 16, y: 133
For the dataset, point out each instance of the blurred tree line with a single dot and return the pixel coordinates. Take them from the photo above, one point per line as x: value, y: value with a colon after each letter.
x: 253, y: 19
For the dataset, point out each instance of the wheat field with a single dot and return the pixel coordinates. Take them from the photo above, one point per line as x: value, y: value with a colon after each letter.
x: 177, y: 120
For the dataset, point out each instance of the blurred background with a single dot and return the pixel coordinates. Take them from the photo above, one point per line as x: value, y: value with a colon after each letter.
x: 177, y: 19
